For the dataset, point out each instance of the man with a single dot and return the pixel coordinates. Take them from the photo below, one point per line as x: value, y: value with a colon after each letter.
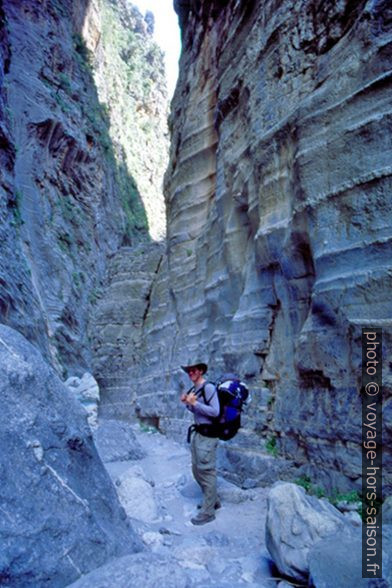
x: 203, y: 401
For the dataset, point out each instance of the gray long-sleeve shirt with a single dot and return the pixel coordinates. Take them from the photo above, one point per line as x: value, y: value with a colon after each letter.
x: 204, y: 411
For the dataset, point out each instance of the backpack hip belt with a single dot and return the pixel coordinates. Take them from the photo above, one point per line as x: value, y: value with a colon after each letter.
x: 205, y: 430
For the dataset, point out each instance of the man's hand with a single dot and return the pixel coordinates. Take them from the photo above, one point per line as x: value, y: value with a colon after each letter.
x: 190, y: 399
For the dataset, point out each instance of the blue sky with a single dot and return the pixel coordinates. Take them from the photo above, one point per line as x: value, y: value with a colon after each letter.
x: 167, y: 34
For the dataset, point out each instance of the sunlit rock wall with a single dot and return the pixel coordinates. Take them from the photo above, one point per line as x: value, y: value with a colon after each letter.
x: 130, y: 78
x: 279, y: 220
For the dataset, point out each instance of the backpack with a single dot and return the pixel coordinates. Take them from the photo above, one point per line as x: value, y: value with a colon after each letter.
x: 233, y: 394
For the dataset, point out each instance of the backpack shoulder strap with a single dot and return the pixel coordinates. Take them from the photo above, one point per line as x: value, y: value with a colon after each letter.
x: 203, y: 392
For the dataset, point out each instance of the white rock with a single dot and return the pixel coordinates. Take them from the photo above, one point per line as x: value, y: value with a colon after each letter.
x: 137, y: 497
x: 152, y: 539
x: 354, y: 518
x: 86, y: 390
x: 194, y: 556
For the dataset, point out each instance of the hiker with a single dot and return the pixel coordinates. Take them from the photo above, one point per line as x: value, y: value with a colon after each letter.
x: 202, y: 400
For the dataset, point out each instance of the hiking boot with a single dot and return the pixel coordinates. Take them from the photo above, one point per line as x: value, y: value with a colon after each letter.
x: 218, y: 504
x: 202, y: 518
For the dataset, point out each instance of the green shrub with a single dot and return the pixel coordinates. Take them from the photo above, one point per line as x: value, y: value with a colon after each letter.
x: 304, y: 482
x: 65, y: 242
x: 148, y: 428
x: 93, y: 296
x: 65, y: 83
x: 271, y: 446
x: 78, y: 279
x: 61, y: 102
x: 16, y: 206
x: 350, y: 497
x: 81, y: 49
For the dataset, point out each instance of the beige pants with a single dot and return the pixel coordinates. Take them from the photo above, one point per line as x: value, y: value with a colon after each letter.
x: 204, y: 469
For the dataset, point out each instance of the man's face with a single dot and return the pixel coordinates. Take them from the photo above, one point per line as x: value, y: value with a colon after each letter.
x: 194, y: 374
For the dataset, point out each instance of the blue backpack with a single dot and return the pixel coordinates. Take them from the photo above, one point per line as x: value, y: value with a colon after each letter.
x: 232, y: 395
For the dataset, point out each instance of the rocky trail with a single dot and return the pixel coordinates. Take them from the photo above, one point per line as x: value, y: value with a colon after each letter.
x: 310, y: 542
x: 160, y: 497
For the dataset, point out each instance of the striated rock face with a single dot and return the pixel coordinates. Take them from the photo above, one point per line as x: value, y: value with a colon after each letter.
x: 59, y: 513
x: 115, y: 328
x: 69, y: 199
x: 279, y: 220
x: 18, y: 303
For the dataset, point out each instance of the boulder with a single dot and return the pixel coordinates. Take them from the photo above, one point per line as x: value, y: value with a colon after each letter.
x: 188, y: 487
x: 137, y: 497
x: 153, y: 539
x: 249, y: 467
x: 230, y: 493
x: 295, y: 522
x: 116, y: 441
x: 59, y: 513
x: 86, y: 390
x: 337, y: 560
x: 227, y: 491
x: 143, y: 569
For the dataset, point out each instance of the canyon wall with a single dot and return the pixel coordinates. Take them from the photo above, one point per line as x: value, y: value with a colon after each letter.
x: 279, y: 225
x: 72, y: 74
x: 69, y: 202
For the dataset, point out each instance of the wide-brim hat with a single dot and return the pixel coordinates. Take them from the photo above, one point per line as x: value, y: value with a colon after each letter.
x: 203, y: 367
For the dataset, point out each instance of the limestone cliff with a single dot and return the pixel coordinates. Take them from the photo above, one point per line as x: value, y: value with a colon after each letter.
x: 279, y: 222
x: 70, y: 191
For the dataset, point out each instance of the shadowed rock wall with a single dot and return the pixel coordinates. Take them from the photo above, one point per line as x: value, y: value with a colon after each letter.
x: 279, y: 221
x: 68, y: 199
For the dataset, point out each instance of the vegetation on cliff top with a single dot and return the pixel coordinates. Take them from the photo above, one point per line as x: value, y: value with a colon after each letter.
x: 130, y: 78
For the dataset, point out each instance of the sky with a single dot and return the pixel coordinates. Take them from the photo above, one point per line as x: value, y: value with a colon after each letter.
x: 167, y: 35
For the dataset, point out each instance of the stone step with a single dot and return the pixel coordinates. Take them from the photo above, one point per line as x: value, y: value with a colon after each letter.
x: 247, y: 439
x: 252, y: 467
x: 117, y: 410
